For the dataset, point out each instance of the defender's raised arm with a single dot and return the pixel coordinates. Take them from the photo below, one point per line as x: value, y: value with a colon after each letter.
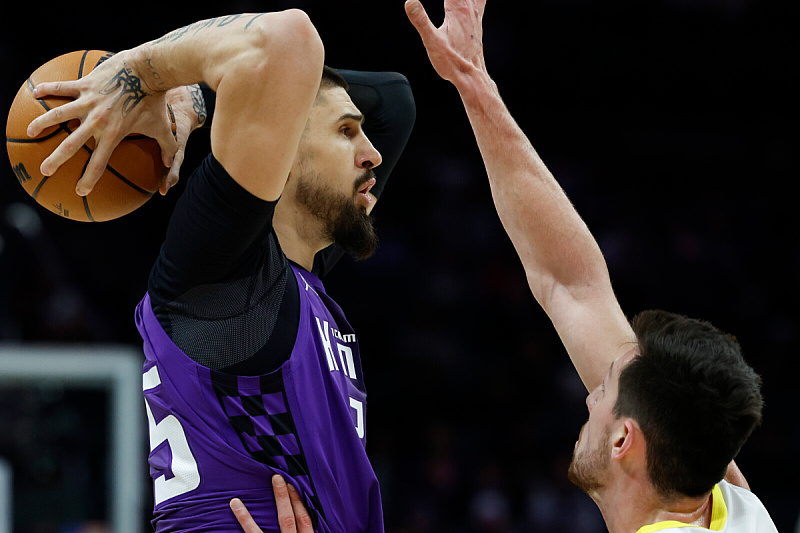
x: 564, y: 266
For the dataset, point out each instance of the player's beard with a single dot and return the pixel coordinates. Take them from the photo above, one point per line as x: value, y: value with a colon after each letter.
x: 343, y: 222
x: 588, y: 468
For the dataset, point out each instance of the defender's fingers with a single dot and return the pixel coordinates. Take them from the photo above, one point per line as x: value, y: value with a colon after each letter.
x: 243, y: 516
x: 419, y: 19
x: 304, y: 523
x: 54, y: 117
x: 286, y: 518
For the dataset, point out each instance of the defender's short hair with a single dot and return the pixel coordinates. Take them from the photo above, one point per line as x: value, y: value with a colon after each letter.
x: 694, y: 397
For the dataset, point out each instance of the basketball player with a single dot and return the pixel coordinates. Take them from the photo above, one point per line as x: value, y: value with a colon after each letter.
x: 251, y: 368
x: 672, y: 401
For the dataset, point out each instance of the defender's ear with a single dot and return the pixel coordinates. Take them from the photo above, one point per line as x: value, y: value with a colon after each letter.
x: 625, y: 438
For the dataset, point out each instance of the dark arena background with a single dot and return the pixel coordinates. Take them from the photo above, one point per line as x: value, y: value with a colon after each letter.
x: 670, y: 123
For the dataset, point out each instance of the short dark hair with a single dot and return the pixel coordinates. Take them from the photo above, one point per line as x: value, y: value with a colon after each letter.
x: 331, y: 78
x: 694, y: 397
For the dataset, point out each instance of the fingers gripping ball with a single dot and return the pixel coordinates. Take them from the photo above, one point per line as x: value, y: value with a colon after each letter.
x: 134, y: 171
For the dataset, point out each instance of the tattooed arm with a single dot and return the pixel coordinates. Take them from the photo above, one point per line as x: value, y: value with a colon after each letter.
x: 264, y: 68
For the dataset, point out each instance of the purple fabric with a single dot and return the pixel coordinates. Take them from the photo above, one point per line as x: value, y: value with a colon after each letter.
x: 305, y: 421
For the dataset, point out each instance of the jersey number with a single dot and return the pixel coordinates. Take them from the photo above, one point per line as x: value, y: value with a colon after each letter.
x: 359, y: 407
x: 186, y: 476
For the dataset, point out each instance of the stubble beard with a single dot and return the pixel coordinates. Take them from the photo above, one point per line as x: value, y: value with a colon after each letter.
x: 343, y: 222
x: 588, y: 469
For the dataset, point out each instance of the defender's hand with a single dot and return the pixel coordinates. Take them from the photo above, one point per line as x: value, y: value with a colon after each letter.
x: 292, y: 514
x: 111, y: 102
x: 456, y: 47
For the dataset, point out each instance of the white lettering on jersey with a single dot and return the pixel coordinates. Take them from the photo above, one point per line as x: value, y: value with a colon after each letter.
x: 322, y: 327
x: 359, y: 407
x: 346, y: 356
x: 345, y: 352
x: 348, y: 365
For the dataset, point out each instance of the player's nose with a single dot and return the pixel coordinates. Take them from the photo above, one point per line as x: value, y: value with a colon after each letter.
x: 369, y: 157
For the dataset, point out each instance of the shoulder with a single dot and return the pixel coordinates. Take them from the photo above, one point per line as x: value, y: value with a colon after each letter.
x: 743, y: 511
x: 218, y: 231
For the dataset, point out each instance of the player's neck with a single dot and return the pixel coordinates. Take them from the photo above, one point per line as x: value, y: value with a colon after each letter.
x: 626, y: 507
x: 298, y: 234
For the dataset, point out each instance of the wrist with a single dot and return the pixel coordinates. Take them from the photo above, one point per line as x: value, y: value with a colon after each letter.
x: 188, y: 104
x: 141, y: 61
x: 474, y: 84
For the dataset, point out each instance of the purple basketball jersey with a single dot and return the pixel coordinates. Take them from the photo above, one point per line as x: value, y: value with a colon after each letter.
x: 215, y: 436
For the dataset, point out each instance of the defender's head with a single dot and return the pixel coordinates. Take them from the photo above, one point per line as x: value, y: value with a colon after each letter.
x: 687, y: 389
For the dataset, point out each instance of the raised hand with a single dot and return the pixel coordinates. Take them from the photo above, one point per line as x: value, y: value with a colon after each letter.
x: 456, y: 47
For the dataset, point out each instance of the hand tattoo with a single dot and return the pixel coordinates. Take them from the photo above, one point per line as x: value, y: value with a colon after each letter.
x: 129, y: 87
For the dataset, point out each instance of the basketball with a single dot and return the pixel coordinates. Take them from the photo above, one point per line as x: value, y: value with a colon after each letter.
x: 134, y: 171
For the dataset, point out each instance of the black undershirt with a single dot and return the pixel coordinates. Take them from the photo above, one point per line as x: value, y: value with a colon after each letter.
x: 221, y: 287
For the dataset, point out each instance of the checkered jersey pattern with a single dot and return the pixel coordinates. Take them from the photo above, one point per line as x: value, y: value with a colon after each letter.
x: 257, y: 408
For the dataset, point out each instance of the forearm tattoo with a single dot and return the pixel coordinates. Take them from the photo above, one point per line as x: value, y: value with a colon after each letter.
x: 198, y: 104
x: 129, y: 87
x: 216, y: 22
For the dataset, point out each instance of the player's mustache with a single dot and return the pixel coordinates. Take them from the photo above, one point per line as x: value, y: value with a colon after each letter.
x: 364, y: 178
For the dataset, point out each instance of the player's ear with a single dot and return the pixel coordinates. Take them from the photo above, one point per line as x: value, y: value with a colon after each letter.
x: 626, y: 438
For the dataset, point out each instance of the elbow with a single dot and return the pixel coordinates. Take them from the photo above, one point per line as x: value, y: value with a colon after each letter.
x: 300, y: 35
x: 291, y: 43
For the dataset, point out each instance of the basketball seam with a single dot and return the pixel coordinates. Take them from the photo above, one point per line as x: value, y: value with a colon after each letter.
x: 83, y: 62
x: 86, y: 206
x: 34, y: 141
x: 39, y: 186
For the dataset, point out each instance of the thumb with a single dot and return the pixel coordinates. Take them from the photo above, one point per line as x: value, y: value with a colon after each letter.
x: 419, y: 19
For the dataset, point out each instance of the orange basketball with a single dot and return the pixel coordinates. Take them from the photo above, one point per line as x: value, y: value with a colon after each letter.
x: 134, y: 171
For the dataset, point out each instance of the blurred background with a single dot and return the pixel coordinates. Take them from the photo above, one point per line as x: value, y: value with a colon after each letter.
x: 672, y: 125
